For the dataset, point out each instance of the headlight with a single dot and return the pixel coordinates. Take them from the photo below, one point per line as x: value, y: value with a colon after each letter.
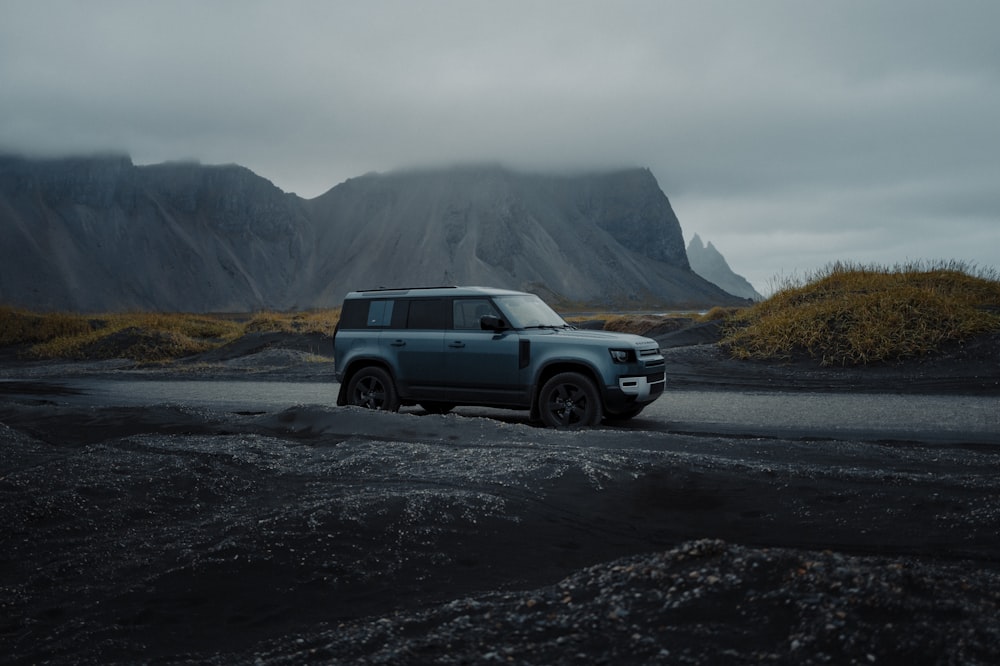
x: 622, y: 355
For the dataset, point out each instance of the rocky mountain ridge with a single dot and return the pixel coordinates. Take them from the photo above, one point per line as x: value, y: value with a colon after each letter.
x: 709, y: 263
x: 102, y: 234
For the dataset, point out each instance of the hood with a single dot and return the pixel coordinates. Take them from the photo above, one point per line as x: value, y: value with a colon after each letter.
x: 597, y: 337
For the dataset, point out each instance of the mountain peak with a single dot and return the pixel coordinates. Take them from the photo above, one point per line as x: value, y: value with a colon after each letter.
x: 709, y: 263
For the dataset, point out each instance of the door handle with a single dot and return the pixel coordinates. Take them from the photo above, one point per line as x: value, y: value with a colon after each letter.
x: 398, y: 343
x: 457, y: 344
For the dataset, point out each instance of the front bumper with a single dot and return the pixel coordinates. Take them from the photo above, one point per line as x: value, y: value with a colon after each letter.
x: 634, y: 390
x: 642, y: 388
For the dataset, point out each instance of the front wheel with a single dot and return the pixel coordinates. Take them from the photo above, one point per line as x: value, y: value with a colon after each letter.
x: 372, y: 388
x: 569, y: 400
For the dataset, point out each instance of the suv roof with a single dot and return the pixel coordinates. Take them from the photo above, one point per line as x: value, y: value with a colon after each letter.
x: 432, y: 291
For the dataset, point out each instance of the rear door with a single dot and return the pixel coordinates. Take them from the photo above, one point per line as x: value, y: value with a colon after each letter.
x: 415, y: 340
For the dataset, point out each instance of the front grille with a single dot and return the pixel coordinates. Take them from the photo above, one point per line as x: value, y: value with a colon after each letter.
x: 652, y: 362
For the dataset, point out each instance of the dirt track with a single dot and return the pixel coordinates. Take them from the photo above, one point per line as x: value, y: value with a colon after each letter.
x: 334, y: 535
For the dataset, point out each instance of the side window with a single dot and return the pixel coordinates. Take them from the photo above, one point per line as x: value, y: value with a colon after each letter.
x: 427, y: 313
x: 467, y: 311
x: 400, y: 313
x: 379, y: 314
x: 353, y: 315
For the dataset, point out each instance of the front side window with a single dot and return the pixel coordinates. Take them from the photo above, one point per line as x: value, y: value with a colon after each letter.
x: 466, y: 312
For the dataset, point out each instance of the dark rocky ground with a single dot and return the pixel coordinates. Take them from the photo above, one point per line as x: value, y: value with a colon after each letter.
x: 323, y: 535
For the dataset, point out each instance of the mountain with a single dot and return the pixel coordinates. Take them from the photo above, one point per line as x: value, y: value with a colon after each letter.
x: 102, y: 234
x: 709, y: 263
x: 605, y: 240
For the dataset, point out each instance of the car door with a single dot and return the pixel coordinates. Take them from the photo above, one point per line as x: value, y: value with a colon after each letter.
x: 415, y: 340
x: 481, y: 366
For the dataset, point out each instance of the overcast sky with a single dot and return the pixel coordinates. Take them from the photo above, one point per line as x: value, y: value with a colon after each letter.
x: 790, y: 134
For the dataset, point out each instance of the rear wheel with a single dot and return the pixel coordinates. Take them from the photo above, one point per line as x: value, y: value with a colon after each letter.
x: 372, y: 388
x: 569, y: 400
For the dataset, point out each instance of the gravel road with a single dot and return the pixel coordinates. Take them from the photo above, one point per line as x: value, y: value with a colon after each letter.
x: 957, y: 419
x: 190, y: 534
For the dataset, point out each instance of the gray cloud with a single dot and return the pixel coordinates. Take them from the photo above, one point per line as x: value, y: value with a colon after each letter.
x: 790, y: 134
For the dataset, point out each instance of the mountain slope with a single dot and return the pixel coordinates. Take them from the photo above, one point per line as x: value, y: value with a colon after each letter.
x: 101, y: 234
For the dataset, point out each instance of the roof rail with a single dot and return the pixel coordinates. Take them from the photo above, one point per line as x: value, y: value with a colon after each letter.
x: 446, y: 286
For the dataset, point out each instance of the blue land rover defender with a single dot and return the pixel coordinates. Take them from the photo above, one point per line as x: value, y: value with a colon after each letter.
x: 447, y: 346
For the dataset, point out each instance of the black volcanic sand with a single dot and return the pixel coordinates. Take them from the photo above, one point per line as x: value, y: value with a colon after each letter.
x: 325, y: 535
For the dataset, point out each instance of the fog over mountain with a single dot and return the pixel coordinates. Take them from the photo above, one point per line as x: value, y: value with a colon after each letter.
x: 101, y: 234
x: 709, y: 263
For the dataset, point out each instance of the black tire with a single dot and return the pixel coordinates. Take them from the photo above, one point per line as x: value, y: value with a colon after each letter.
x: 437, y: 407
x: 372, y: 387
x: 569, y: 400
x: 623, y: 416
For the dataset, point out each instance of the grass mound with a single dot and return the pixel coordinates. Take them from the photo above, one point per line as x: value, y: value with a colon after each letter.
x: 852, y: 315
x: 141, y: 344
x: 632, y: 323
x: 139, y: 336
x: 22, y: 326
x: 311, y: 321
x: 144, y: 336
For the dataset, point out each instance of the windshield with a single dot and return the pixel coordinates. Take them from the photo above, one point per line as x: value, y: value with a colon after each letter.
x: 528, y: 311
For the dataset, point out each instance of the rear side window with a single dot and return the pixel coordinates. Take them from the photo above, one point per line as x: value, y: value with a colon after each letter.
x: 425, y: 313
x: 353, y: 314
x: 379, y: 314
x: 364, y: 313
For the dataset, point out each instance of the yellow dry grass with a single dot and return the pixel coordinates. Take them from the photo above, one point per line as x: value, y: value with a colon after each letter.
x: 850, y: 314
x: 143, y: 336
x: 309, y: 321
x: 22, y: 326
x: 719, y: 313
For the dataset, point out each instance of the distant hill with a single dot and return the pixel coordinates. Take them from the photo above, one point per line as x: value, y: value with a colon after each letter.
x: 709, y: 263
x: 101, y: 234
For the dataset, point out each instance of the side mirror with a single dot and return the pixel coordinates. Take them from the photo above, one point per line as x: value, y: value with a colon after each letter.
x: 491, y: 323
